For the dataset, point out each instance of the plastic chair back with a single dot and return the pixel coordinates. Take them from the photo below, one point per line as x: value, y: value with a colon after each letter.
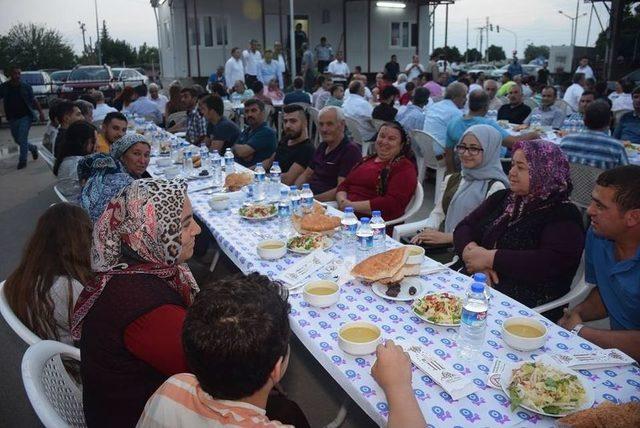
x: 578, y: 292
x: 314, y: 131
x: 14, y: 322
x: 412, y: 208
x: 583, y: 178
x: 377, y: 123
x: 55, y: 397
x: 59, y: 194
x: 562, y: 105
x: 176, y: 117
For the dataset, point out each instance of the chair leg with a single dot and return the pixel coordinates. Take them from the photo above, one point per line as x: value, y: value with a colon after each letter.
x: 340, y: 417
x: 214, y: 261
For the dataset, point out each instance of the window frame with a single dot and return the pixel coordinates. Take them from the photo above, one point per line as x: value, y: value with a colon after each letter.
x: 403, y: 26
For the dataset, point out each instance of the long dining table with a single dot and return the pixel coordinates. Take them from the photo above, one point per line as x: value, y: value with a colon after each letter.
x: 318, y: 329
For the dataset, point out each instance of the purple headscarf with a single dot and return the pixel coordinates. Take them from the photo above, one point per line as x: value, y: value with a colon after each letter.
x: 549, y: 182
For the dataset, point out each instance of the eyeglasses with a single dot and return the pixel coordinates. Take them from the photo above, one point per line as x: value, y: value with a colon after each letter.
x: 461, y: 148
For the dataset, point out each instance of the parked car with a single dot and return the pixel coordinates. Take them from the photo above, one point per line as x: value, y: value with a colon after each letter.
x: 129, y: 77
x: 498, y: 72
x: 84, y: 78
x: 40, y: 82
x: 482, y: 68
x: 531, y: 69
x: 58, y: 78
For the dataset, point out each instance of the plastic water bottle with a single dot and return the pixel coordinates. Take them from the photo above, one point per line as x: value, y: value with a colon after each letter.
x: 204, y: 157
x: 274, y: 178
x: 307, y: 198
x: 349, y: 224
x: 216, y: 167
x: 481, y: 277
x: 294, y: 195
x: 378, y: 227
x: 229, y: 161
x: 259, y: 180
x: 473, y: 322
x: 284, y: 205
x: 188, y: 163
x: 364, y: 235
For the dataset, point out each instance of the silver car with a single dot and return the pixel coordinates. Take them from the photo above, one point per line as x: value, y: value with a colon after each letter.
x: 129, y: 77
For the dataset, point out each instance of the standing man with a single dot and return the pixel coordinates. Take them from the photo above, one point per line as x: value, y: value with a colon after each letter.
x: 585, y: 68
x: 156, y: 97
x: 543, y: 74
x: 251, y: 58
x: 515, y: 69
x: 433, y: 67
x: 300, y: 37
x: 257, y: 142
x: 269, y: 69
x: 574, y: 92
x: 279, y: 57
x: 234, y: 69
x: 308, y: 66
x: 392, y: 68
x: 338, y: 69
x: 19, y: 105
x: 414, y: 68
x: 221, y: 132
x: 324, y: 54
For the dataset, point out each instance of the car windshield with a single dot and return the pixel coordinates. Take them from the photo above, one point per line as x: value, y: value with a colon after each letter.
x: 89, y: 73
x: 116, y: 72
x: 32, y: 78
x: 60, y: 76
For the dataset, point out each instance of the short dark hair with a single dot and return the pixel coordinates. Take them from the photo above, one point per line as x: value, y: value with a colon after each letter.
x: 388, y: 92
x: 478, y: 100
x: 74, y: 142
x: 53, y: 104
x: 257, y: 87
x: 626, y: 181
x: 64, y: 108
x: 588, y: 92
x: 553, y: 88
x: 298, y: 82
x: 114, y: 115
x: 506, y: 73
x: 141, y: 90
x: 292, y: 108
x: 410, y: 86
x: 254, y: 102
x: 215, y: 103
x: 233, y: 50
x: 421, y: 96
x: 191, y: 92
x: 335, y: 88
x: 577, y: 77
x: 627, y: 86
x: 217, y: 88
x: 234, y: 333
x: 355, y: 86
x: 597, y: 115
x: 636, y: 90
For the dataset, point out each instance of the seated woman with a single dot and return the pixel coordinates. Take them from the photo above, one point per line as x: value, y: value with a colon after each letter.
x: 337, y: 96
x: 101, y: 177
x: 385, y: 181
x: 48, y: 280
x: 463, y: 192
x: 133, y: 150
x: 528, y: 239
x: 273, y: 91
x: 79, y: 141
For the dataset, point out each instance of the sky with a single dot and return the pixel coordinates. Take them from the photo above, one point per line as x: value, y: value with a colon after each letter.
x: 534, y: 21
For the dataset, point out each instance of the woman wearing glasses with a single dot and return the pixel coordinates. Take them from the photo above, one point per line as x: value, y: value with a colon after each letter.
x: 481, y: 176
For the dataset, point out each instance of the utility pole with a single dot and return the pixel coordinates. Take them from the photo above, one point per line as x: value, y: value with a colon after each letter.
x: 98, y: 51
x: 487, y: 27
x: 84, y: 43
x: 466, y: 52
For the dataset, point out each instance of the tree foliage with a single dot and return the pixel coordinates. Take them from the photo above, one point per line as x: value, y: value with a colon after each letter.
x: 473, y: 55
x: 148, y: 54
x: 451, y: 54
x: 628, y: 34
x: 532, y: 52
x: 496, y: 53
x: 32, y: 47
x: 116, y: 52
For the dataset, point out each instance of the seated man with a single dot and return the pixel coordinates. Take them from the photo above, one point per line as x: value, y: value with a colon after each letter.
x: 194, y: 124
x: 113, y: 127
x: 298, y: 95
x: 66, y: 114
x: 628, y: 128
x: 491, y: 88
x: 386, y: 110
x: 143, y: 106
x: 612, y: 264
x: 221, y: 132
x: 334, y: 158
x: 257, y: 142
x: 547, y: 114
x: 156, y: 97
x: 295, y: 151
x: 516, y: 111
x: 440, y: 114
x: 322, y: 95
x: 102, y: 109
x: 413, y: 116
x: 358, y: 108
x: 593, y: 146
x: 576, y: 120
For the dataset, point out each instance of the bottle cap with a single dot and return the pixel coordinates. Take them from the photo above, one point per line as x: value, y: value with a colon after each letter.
x: 364, y: 220
x: 348, y: 210
x: 284, y: 192
x: 293, y: 188
x: 480, y: 277
x: 258, y: 164
x: 377, y: 213
x: 305, y: 186
x: 275, y: 163
x: 477, y: 287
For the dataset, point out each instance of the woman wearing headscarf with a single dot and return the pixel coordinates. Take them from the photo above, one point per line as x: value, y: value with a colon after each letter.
x: 102, y: 177
x: 481, y: 176
x: 134, y: 151
x: 129, y: 317
x: 529, y: 239
x: 385, y: 181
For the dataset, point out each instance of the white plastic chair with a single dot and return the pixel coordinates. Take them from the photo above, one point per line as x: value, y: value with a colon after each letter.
x: 584, y: 179
x: 423, y: 147
x: 314, y: 131
x: 562, y: 105
x: 414, y: 206
x: 55, y: 397
x: 176, y: 117
x: 578, y: 292
x: 377, y: 123
x: 59, y: 194
x: 47, y: 156
x: 14, y: 322
x: 352, y: 126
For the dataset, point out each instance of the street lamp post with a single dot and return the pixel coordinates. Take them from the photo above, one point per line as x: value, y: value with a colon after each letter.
x: 574, y: 23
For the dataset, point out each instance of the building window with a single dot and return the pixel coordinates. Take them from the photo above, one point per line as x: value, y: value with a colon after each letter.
x: 221, y: 31
x: 403, y: 34
x: 167, y: 35
x: 208, y: 31
x: 193, y: 31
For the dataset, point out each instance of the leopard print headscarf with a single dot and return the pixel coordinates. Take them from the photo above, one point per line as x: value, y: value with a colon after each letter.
x: 143, y: 219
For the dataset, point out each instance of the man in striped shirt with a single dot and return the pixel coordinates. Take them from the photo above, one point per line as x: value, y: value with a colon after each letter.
x: 594, y: 147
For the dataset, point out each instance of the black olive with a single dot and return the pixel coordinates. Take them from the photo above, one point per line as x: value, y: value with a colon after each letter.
x: 203, y: 173
x: 412, y: 290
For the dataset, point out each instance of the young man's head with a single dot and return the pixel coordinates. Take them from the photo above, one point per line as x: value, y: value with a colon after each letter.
x: 236, y: 53
x: 584, y: 61
x: 67, y: 113
x: 236, y: 336
x: 268, y: 55
x: 188, y: 97
x: 114, y: 126
x: 339, y: 56
x: 211, y: 108
x: 548, y: 96
x: 394, y: 58
x: 323, y: 40
x: 294, y: 122
x: 298, y: 83
x: 597, y: 116
x: 506, y: 77
x: 254, y: 114
x: 140, y: 91
x: 615, y: 209
x: 478, y: 102
x: 420, y: 96
x: 389, y: 94
x: 579, y: 79
x: 586, y: 98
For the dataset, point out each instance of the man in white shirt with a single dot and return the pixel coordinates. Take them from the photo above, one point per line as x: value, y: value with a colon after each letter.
x: 338, y: 69
x: 574, y: 92
x: 279, y: 57
x: 585, y: 68
x: 359, y: 109
x: 251, y: 58
x: 491, y: 88
x: 440, y: 114
x: 414, y: 68
x: 362, y: 79
x: 156, y: 97
x: 269, y: 69
x: 234, y: 69
x: 101, y: 109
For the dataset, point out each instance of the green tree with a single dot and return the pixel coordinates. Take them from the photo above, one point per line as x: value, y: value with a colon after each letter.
x: 31, y: 47
x: 532, y: 52
x: 451, y: 54
x: 148, y: 54
x: 473, y: 55
x: 496, y: 53
x: 629, y: 44
x: 115, y: 52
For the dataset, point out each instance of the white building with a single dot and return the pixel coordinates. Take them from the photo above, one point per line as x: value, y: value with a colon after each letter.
x: 196, y: 36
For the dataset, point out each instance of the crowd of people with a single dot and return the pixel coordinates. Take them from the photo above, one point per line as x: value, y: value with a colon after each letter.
x: 107, y: 271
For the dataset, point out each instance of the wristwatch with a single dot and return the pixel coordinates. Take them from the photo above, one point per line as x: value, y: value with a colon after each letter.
x: 576, y: 330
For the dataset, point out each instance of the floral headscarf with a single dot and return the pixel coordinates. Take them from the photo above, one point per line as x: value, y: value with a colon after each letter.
x: 124, y: 143
x: 144, y: 220
x: 105, y: 178
x: 549, y: 181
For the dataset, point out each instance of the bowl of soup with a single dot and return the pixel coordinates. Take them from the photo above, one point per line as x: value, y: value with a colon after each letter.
x: 416, y: 255
x: 321, y: 293
x: 164, y: 162
x: 272, y: 249
x: 524, y: 334
x: 219, y: 202
x: 171, y: 173
x: 359, y: 338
